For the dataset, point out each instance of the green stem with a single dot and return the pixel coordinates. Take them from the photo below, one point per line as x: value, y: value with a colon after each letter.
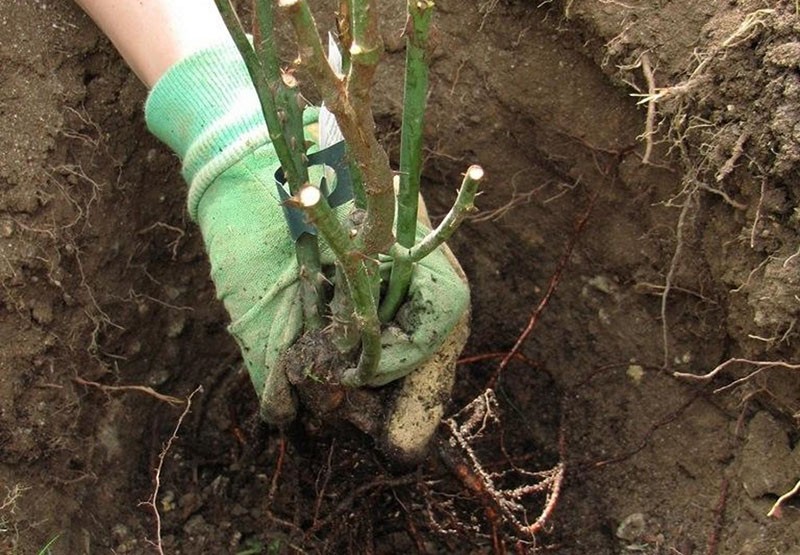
x: 261, y: 83
x: 312, y: 52
x: 285, y: 127
x: 359, y: 282
x: 290, y: 113
x: 312, y: 288
x: 367, y: 45
x: 464, y: 205
x: 414, y: 100
x: 345, y: 334
x: 420, y: 14
x: 400, y: 278
x: 349, y: 102
x: 288, y: 101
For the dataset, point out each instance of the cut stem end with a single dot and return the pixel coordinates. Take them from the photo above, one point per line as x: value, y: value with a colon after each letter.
x: 475, y: 172
x: 309, y: 196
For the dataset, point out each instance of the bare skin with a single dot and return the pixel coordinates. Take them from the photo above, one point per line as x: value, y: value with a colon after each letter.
x: 151, y: 35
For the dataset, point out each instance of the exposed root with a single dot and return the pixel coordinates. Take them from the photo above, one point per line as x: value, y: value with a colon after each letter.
x: 152, y: 502
x: 517, y: 199
x: 347, y: 502
x: 555, y: 279
x: 746, y: 30
x: 750, y: 25
x: 752, y: 273
x: 75, y: 174
x: 169, y: 399
x: 669, y: 279
x: 790, y: 258
x: 776, y: 510
x: 505, y: 493
x: 620, y: 4
x: 722, y: 194
x: 645, y: 440
x: 759, y: 368
x: 712, y: 545
x: 775, y: 339
x: 759, y: 364
x: 616, y: 43
x: 175, y: 243
x: 135, y: 297
x: 649, y: 128
x: 321, y: 487
x: 93, y: 140
x: 98, y: 316
x: 494, y: 356
x: 736, y: 153
x: 13, y: 495
x: 486, y: 7
x: 658, y: 290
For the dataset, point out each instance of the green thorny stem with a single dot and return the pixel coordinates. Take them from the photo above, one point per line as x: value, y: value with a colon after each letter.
x: 348, y: 98
x: 420, y: 13
x: 357, y: 275
x: 283, y: 114
x: 464, y: 205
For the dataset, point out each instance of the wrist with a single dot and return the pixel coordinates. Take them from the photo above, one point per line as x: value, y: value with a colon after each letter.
x: 206, y: 110
x: 152, y: 35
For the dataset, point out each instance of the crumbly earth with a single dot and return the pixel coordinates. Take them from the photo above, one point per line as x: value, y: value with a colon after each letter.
x: 671, y: 128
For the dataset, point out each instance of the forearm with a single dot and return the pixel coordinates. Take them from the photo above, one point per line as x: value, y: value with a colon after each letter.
x: 151, y: 35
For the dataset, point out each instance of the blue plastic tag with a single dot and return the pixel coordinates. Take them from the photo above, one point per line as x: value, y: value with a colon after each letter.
x: 333, y: 157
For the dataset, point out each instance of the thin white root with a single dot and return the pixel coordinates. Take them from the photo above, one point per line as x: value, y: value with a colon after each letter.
x: 649, y: 128
x: 758, y: 363
x: 174, y: 401
x: 152, y: 502
x: 775, y: 511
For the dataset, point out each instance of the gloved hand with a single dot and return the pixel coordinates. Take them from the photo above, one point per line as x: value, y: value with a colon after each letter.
x: 206, y: 110
x: 419, y: 405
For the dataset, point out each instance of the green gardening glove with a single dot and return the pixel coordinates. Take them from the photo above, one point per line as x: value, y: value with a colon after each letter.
x: 206, y: 109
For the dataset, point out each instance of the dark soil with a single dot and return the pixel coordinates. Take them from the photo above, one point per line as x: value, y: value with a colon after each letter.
x: 689, y: 258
